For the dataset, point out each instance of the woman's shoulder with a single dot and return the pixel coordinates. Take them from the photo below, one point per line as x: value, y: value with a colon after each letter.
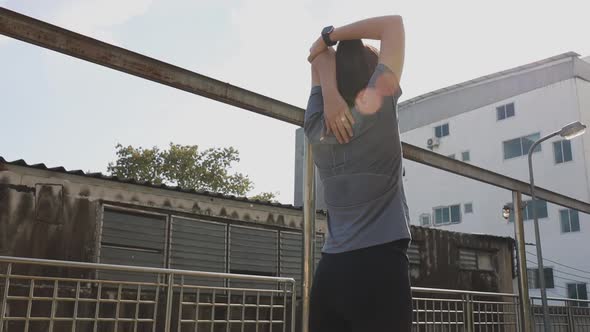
x: 385, y: 82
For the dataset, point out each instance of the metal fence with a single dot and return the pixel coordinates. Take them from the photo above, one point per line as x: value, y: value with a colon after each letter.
x: 565, y: 315
x: 454, y: 310
x: 46, y: 295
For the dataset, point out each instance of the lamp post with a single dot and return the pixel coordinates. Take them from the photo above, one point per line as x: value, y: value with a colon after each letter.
x: 568, y: 132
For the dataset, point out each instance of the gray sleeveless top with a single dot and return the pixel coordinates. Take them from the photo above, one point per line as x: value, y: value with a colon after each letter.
x: 362, y: 179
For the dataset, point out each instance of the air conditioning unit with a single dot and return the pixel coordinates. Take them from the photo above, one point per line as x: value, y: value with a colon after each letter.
x: 433, y: 142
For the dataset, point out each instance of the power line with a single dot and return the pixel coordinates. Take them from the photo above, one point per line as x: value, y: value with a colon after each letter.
x: 555, y: 286
x: 578, y: 281
x: 563, y: 272
x: 573, y: 275
x: 569, y: 267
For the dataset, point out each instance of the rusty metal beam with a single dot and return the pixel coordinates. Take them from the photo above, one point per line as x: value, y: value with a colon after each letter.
x: 52, y: 37
x: 436, y: 160
x: 30, y: 30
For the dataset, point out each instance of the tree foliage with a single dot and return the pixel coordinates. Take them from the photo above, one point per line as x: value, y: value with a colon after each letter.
x: 185, y: 166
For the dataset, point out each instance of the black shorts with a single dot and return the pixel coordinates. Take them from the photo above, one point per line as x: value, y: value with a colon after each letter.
x: 363, y: 290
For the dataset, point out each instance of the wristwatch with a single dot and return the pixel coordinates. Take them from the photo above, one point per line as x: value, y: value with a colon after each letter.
x: 326, y: 35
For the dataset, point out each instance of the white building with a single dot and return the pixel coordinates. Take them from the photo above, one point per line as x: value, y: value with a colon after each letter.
x: 490, y: 122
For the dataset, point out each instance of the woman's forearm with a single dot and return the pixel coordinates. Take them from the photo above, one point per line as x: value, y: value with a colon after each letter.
x: 325, y: 67
x: 315, y: 77
x: 371, y: 28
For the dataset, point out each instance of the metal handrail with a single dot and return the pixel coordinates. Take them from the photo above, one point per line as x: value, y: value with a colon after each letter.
x: 465, y: 309
x: 458, y: 291
x: 128, y: 268
x: 564, y: 299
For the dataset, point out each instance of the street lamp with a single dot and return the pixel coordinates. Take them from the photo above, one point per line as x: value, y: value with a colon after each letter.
x: 568, y: 132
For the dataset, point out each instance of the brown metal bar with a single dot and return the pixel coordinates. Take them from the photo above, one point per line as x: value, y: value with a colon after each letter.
x: 30, y: 30
x: 441, y: 162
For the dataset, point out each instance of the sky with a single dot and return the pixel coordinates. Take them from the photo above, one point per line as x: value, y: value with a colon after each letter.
x: 66, y: 112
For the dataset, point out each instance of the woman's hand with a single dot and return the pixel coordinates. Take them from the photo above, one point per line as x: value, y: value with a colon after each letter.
x: 338, y: 118
x: 316, y: 48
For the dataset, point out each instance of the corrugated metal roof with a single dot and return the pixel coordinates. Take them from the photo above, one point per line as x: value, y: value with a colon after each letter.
x: 499, y: 74
x: 61, y: 169
x: 98, y: 175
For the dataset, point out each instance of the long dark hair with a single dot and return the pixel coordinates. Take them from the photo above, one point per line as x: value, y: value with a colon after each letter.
x: 355, y: 63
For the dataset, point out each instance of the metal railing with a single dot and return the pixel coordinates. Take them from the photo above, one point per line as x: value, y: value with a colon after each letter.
x: 565, y: 315
x: 455, y: 310
x: 47, y: 295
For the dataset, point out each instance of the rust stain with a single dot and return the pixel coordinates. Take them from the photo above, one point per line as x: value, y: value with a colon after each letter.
x: 270, y: 219
x: 18, y: 188
x: 196, y: 207
x: 85, y: 192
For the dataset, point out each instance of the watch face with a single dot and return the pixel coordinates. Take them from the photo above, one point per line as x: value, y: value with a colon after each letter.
x: 327, y: 30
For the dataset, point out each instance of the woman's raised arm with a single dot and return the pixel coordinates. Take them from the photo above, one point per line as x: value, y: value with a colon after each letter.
x: 388, y: 29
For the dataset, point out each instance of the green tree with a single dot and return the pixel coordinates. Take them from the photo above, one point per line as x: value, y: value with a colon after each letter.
x: 185, y: 166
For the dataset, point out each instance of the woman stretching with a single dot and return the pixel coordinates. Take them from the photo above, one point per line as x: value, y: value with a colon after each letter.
x: 362, y: 281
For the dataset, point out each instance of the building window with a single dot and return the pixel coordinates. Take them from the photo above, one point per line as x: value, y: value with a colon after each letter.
x: 577, y: 291
x: 442, y: 130
x: 527, y: 212
x: 468, y: 207
x: 452, y: 156
x: 562, y: 151
x: 533, y: 276
x: 447, y: 215
x: 425, y: 219
x: 465, y: 156
x: 520, y: 146
x: 470, y: 259
x: 505, y: 111
x: 570, y: 221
